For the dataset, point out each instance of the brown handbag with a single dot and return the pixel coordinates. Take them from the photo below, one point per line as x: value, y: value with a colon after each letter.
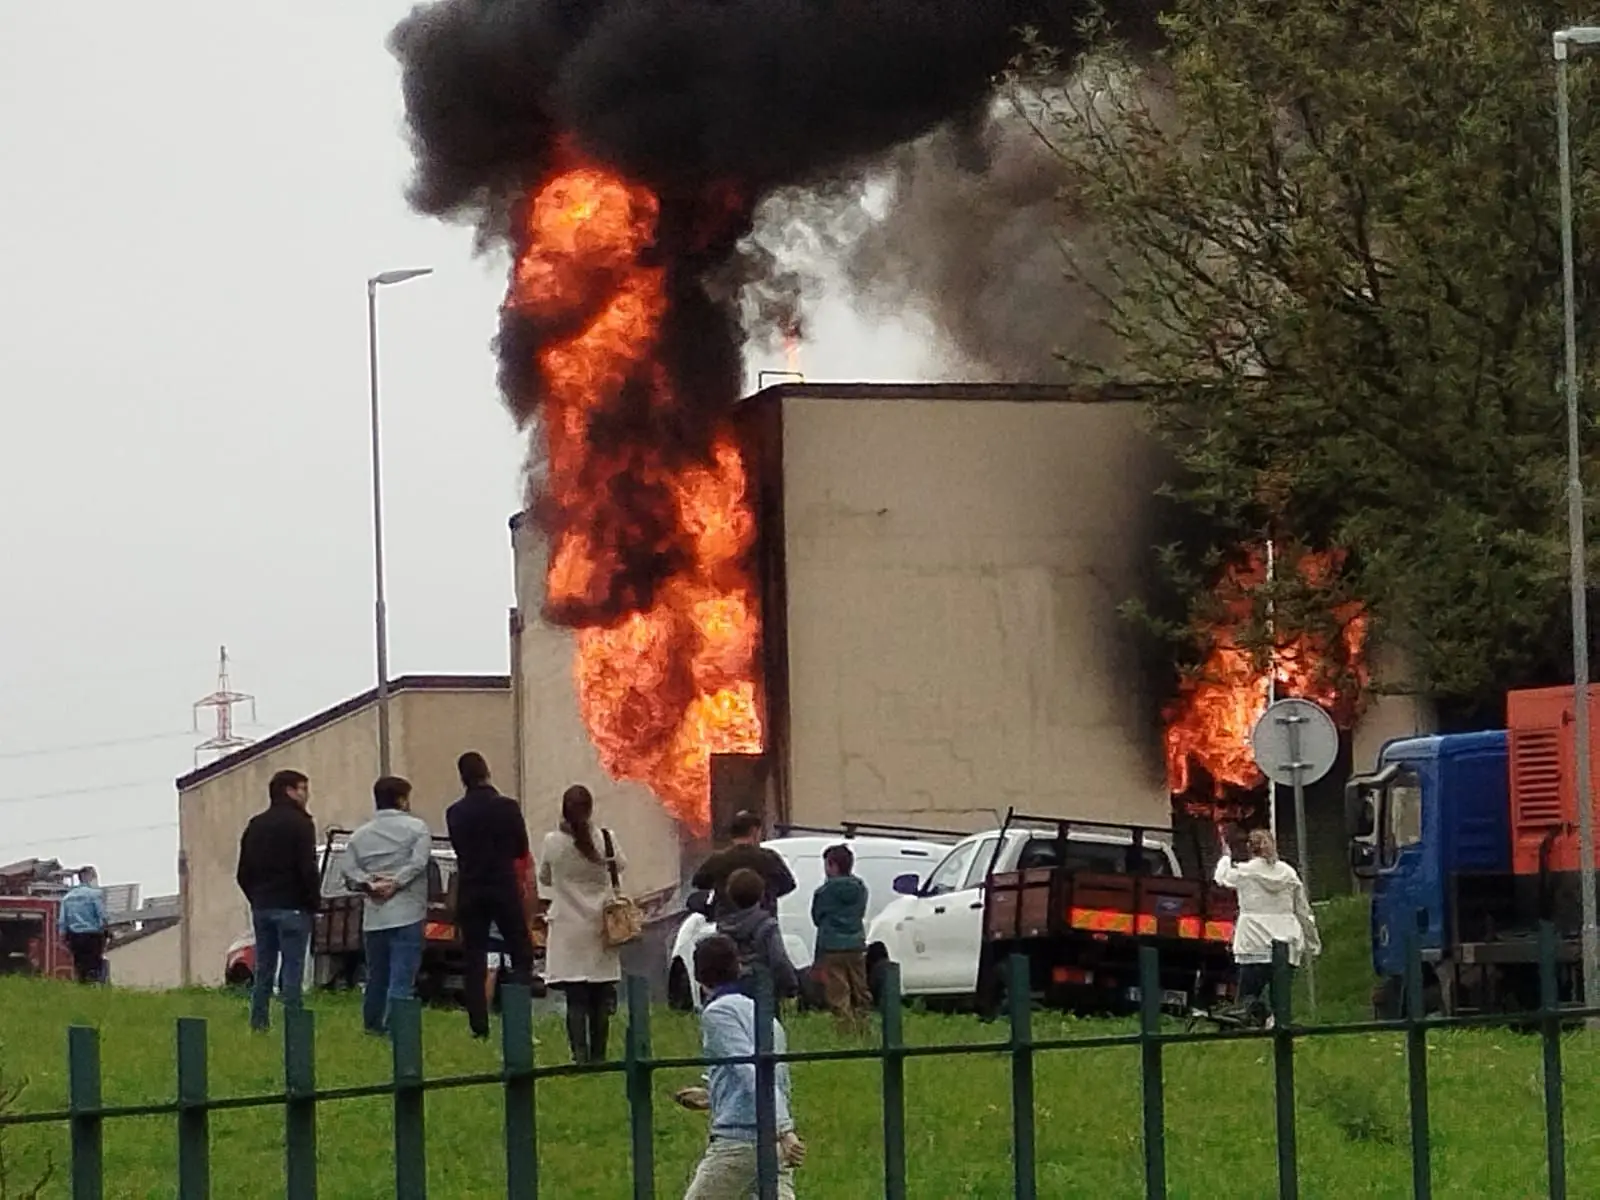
x: 621, y: 921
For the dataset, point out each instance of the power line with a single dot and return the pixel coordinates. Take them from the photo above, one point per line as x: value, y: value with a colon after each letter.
x: 88, y: 837
x: 85, y: 791
x: 43, y: 751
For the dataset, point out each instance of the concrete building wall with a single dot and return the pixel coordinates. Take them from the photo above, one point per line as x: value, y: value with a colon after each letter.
x: 153, y: 961
x: 556, y: 750
x: 429, y: 726
x: 954, y: 569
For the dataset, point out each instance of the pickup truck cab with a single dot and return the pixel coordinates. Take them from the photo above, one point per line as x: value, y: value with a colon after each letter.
x: 934, y: 929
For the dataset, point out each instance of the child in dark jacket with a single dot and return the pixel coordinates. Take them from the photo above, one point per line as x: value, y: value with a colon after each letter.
x: 755, y: 931
x: 839, y: 911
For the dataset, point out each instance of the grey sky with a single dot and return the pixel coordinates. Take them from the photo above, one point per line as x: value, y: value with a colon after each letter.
x: 195, y: 193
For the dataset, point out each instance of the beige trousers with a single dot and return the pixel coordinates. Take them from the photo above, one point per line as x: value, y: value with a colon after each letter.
x: 728, y: 1172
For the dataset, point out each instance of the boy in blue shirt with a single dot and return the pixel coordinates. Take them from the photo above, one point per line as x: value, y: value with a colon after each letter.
x: 728, y: 1170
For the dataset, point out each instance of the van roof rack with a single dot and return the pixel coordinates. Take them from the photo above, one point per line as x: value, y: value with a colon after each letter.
x: 850, y: 829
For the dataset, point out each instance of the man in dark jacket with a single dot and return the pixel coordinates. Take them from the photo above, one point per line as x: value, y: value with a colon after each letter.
x: 278, y: 876
x: 490, y: 839
x: 744, y: 851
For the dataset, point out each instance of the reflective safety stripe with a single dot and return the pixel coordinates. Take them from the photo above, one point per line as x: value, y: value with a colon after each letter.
x: 1100, y: 920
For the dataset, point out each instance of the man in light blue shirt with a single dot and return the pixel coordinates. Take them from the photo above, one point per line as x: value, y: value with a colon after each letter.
x: 387, y: 862
x: 729, y: 1170
x: 82, y: 921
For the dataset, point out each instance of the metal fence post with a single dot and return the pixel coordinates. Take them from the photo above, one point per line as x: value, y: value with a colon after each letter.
x: 766, y: 1091
x: 410, y: 1119
x: 641, y: 1107
x: 522, y: 1137
x: 894, y: 1085
x: 83, y: 1099
x: 300, y: 1104
x: 194, y: 1117
x: 1555, y: 1132
x: 1283, y: 1073
x: 1417, y: 1074
x: 1155, y: 1128
x: 1019, y: 998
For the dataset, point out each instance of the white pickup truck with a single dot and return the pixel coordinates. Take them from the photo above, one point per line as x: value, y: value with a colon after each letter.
x: 934, y: 929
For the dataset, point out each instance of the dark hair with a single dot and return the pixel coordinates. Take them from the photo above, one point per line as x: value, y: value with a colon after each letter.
x: 279, y: 787
x: 843, y: 859
x: 577, y: 813
x: 472, y: 769
x: 746, y: 888
x: 744, y: 824
x: 389, y: 791
x: 716, y: 961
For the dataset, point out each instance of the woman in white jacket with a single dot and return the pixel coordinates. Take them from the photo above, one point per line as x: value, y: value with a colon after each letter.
x: 1273, y: 907
x: 575, y: 872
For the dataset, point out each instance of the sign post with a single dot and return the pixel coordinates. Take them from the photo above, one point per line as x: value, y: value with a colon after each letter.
x: 1296, y: 743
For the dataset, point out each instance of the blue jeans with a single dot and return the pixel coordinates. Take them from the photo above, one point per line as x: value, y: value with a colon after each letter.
x: 281, y: 934
x: 393, y: 956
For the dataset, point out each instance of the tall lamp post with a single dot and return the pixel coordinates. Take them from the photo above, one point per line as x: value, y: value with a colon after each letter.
x: 1565, y: 42
x: 380, y: 613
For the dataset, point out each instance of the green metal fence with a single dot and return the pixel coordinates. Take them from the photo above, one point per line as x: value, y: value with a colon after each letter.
x: 520, y: 1077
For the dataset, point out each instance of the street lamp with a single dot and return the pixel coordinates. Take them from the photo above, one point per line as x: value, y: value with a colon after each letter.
x: 380, y: 615
x: 1565, y: 41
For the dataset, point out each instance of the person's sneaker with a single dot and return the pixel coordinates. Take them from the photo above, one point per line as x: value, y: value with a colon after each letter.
x: 695, y: 1099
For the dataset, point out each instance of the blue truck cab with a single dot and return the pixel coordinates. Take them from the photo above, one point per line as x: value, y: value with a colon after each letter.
x: 1435, y: 813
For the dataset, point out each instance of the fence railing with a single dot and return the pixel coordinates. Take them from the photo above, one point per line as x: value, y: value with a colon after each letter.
x: 520, y: 1076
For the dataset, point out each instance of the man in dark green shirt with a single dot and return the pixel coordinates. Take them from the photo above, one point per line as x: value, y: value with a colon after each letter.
x: 839, y: 911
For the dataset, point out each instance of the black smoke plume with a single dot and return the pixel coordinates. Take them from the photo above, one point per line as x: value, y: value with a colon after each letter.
x: 715, y: 105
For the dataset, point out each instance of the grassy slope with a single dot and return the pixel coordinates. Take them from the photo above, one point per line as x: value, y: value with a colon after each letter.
x: 1488, y: 1129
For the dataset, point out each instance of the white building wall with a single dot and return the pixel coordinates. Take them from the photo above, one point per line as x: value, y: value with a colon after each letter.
x: 556, y: 750
x: 954, y: 573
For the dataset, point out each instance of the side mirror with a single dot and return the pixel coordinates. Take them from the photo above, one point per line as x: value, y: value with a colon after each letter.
x: 907, y: 885
x: 1360, y: 811
x: 1363, y: 860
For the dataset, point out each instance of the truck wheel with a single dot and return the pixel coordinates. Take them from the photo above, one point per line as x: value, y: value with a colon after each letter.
x: 877, y: 968
x: 680, y: 997
x: 1387, y: 999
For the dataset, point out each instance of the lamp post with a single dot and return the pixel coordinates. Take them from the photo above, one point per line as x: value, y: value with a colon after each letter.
x: 1565, y: 41
x: 380, y: 613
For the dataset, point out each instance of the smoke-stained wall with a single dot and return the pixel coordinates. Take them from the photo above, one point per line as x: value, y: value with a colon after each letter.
x: 953, y: 562
x: 555, y: 748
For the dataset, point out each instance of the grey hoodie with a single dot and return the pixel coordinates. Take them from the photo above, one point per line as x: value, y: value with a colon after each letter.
x: 755, y: 931
x: 1273, y: 907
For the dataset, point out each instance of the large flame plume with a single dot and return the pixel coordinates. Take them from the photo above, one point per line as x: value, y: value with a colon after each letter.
x: 1208, y: 725
x: 666, y: 665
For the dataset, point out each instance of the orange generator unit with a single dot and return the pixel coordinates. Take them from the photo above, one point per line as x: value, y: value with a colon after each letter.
x: 1544, y: 771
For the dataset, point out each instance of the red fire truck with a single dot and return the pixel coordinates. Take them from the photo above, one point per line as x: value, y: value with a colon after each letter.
x: 30, y: 908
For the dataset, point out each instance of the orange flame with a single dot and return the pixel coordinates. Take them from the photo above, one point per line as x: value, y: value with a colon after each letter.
x: 1209, y: 723
x: 674, y: 682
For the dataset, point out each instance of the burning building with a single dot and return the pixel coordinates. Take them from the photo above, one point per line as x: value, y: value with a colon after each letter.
x: 895, y: 602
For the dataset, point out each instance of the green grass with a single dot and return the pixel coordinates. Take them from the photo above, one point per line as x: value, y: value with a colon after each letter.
x: 1353, y: 1134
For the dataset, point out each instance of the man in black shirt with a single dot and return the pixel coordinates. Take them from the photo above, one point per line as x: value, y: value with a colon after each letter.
x: 491, y: 841
x: 745, y: 851
x: 278, y: 876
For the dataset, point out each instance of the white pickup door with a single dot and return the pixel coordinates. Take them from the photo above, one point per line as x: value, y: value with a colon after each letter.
x: 942, y: 931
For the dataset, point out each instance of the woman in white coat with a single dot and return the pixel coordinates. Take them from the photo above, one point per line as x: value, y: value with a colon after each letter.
x: 575, y: 874
x: 1273, y: 907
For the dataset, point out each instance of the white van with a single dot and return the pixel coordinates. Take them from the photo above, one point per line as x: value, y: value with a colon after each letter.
x: 879, y: 862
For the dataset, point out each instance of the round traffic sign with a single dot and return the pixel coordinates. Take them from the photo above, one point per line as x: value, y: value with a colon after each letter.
x: 1295, y: 741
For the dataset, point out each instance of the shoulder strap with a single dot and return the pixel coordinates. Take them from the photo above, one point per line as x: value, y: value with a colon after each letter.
x: 611, y: 858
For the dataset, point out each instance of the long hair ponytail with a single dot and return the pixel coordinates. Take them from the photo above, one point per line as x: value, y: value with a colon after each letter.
x: 577, y: 813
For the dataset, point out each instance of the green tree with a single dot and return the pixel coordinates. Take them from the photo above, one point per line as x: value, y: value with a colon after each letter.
x: 1333, y: 239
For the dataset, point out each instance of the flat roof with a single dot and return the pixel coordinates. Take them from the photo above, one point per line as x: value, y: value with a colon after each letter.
x: 991, y: 393
x: 321, y: 720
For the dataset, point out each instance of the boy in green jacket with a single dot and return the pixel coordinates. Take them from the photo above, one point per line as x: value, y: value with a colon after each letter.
x: 839, y: 911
